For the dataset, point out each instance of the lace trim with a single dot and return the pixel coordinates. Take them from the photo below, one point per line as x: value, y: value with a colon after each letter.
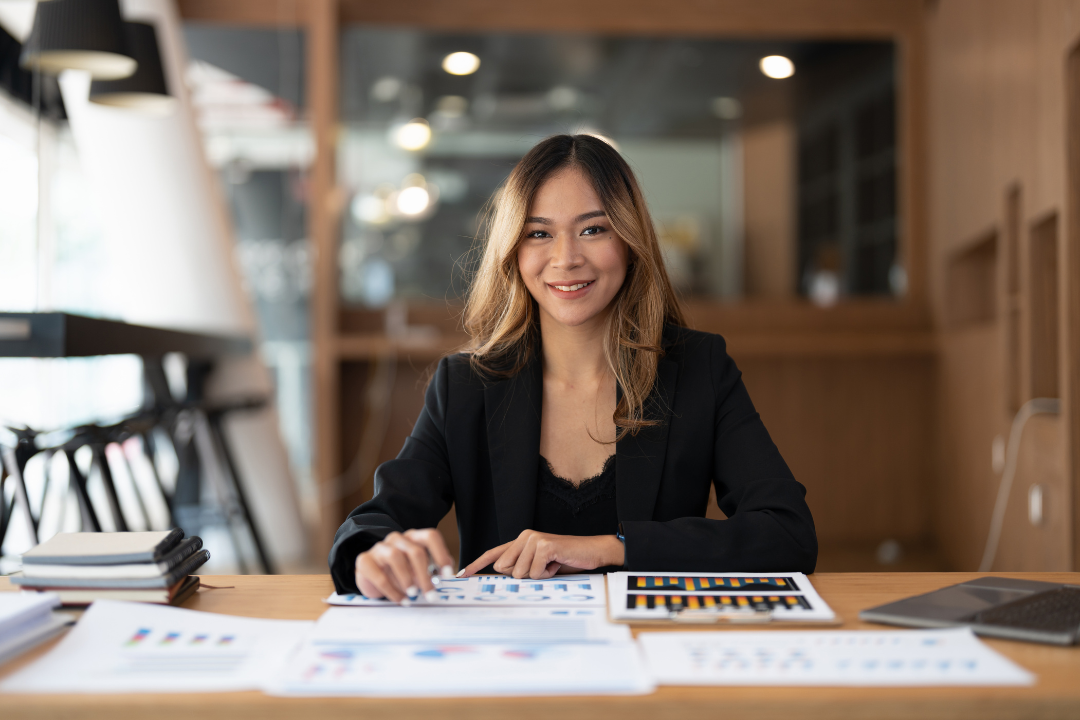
x: 578, y: 497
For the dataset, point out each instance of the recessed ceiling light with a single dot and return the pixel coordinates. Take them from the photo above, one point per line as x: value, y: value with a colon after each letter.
x: 461, y: 63
x: 413, y: 135
x: 777, y: 67
x: 727, y: 108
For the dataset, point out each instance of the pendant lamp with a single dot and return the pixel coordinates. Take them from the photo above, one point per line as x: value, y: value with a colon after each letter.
x: 146, y: 90
x: 79, y: 35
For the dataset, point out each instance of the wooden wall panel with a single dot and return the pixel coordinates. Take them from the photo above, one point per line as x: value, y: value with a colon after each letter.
x: 857, y: 433
x: 996, y: 125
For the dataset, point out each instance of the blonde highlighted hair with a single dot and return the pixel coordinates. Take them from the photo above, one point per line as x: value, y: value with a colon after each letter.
x: 501, y: 315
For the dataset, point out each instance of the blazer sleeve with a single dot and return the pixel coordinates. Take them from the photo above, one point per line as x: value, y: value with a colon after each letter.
x: 768, y: 528
x: 412, y: 491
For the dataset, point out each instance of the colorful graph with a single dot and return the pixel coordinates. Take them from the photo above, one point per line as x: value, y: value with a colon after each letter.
x: 140, y: 635
x: 694, y: 584
x: 720, y: 603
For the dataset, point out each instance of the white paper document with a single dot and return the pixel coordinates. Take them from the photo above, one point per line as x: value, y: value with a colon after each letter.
x: 464, y: 669
x: 827, y: 658
x: 136, y: 647
x: 737, y: 597
x: 465, y: 651
x: 448, y: 625
x: 489, y: 590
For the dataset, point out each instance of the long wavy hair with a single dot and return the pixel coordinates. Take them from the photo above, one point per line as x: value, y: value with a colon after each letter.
x: 501, y: 316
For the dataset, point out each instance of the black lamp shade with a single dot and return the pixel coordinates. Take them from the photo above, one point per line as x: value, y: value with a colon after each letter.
x: 79, y: 35
x: 146, y: 89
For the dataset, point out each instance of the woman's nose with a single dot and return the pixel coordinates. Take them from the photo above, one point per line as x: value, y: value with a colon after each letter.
x: 566, y: 252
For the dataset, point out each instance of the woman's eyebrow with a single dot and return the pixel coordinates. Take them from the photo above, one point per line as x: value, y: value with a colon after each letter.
x: 586, y: 216
x: 580, y: 218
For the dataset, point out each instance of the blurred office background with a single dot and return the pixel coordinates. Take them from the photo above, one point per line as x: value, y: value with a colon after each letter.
x: 871, y: 202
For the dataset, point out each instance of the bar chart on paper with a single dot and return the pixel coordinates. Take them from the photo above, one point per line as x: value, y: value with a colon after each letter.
x: 758, y: 597
x: 134, y: 647
x: 489, y: 590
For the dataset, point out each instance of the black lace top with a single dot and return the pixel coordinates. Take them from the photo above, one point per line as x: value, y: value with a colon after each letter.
x: 588, y: 509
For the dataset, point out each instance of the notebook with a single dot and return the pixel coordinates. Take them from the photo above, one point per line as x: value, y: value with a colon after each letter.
x: 175, y: 595
x: 159, y: 581
x: 126, y: 571
x: 104, y: 548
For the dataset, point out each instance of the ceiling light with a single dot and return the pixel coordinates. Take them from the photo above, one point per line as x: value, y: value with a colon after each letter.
x: 146, y: 89
x: 79, y: 35
x: 451, y: 106
x: 461, y: 63
x: 727, y: 108
x: 369, y: 209
x: 413, y: 200
x: 386, y: 89
x: 413, y: 135
x: 562, y: 97
x: 777, y: 67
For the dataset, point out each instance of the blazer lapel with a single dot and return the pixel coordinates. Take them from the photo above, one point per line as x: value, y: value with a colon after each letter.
x: 639, y: 460
x: 513, y: 407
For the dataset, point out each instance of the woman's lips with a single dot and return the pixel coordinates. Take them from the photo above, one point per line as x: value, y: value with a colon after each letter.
x: 570, y: 290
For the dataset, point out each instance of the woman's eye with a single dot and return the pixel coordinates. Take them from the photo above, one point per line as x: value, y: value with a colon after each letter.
x: 593, y: 230
x: 537, y: 234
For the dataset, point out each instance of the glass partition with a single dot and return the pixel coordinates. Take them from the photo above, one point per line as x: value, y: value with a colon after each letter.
x: 769, y: 166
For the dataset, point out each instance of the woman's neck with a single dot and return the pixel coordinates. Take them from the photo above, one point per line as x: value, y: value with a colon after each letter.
x: 574, y: 355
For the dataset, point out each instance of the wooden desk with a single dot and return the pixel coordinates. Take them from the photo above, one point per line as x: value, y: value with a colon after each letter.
x: 1056, y: 694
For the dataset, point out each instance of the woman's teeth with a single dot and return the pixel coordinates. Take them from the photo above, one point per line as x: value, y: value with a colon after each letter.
x: 572, y: 288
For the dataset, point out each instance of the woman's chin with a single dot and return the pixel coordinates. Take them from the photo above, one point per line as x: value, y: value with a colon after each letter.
x: 577, y: 319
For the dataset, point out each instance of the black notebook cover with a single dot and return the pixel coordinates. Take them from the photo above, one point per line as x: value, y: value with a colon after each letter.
x: 184, y: 568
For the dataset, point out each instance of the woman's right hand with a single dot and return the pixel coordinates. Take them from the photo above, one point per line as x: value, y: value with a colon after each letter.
x: 398, y: 567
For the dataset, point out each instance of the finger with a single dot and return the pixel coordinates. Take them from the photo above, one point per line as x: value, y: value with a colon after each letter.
x: 552, y: 569
x: 484, y: 560
x: 525, y: 559
x: 417, y: 556
x: 396, y: 566
x: 509, y: 558
x: 367, y: 588
x: 382, y: 584
x: 543, y: 556
x: 436, y: 547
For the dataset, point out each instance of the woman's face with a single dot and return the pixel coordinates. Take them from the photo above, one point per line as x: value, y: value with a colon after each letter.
x: 570, y: 259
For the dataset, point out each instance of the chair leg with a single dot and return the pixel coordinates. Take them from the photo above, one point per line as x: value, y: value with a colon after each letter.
x: 110, y: 487
x: 223, y: 447
x: 148, y: 451
x: 86, y: 509
x: 5, y: 508
x: 15, y: 467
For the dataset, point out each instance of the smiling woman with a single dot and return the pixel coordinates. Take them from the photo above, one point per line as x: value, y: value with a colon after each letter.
x: 584, y: 425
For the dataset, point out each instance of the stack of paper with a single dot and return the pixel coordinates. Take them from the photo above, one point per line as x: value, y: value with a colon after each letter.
x: 139, y: 566
x: 462, y: 651
x: 27, y: 620
x: 130, y: 647
x: 829, y: 658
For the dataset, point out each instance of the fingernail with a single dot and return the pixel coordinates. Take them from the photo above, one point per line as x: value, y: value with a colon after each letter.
x: 460, y: 572
x: 431, y: 596
x: 412, y: 591
x: 447, y: 571
x: 405, y: 602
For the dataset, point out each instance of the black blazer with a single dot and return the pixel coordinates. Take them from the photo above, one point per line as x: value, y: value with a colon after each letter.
x: 476, y: 445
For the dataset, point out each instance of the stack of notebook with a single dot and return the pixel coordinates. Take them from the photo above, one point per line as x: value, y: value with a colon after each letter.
x: 80, y: 568
x: 26, y: 620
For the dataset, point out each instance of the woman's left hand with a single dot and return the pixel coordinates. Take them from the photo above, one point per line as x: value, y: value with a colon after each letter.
x: 540, y: 555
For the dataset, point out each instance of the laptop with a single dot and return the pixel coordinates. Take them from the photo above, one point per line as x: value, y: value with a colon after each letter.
x: 995, y: 607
